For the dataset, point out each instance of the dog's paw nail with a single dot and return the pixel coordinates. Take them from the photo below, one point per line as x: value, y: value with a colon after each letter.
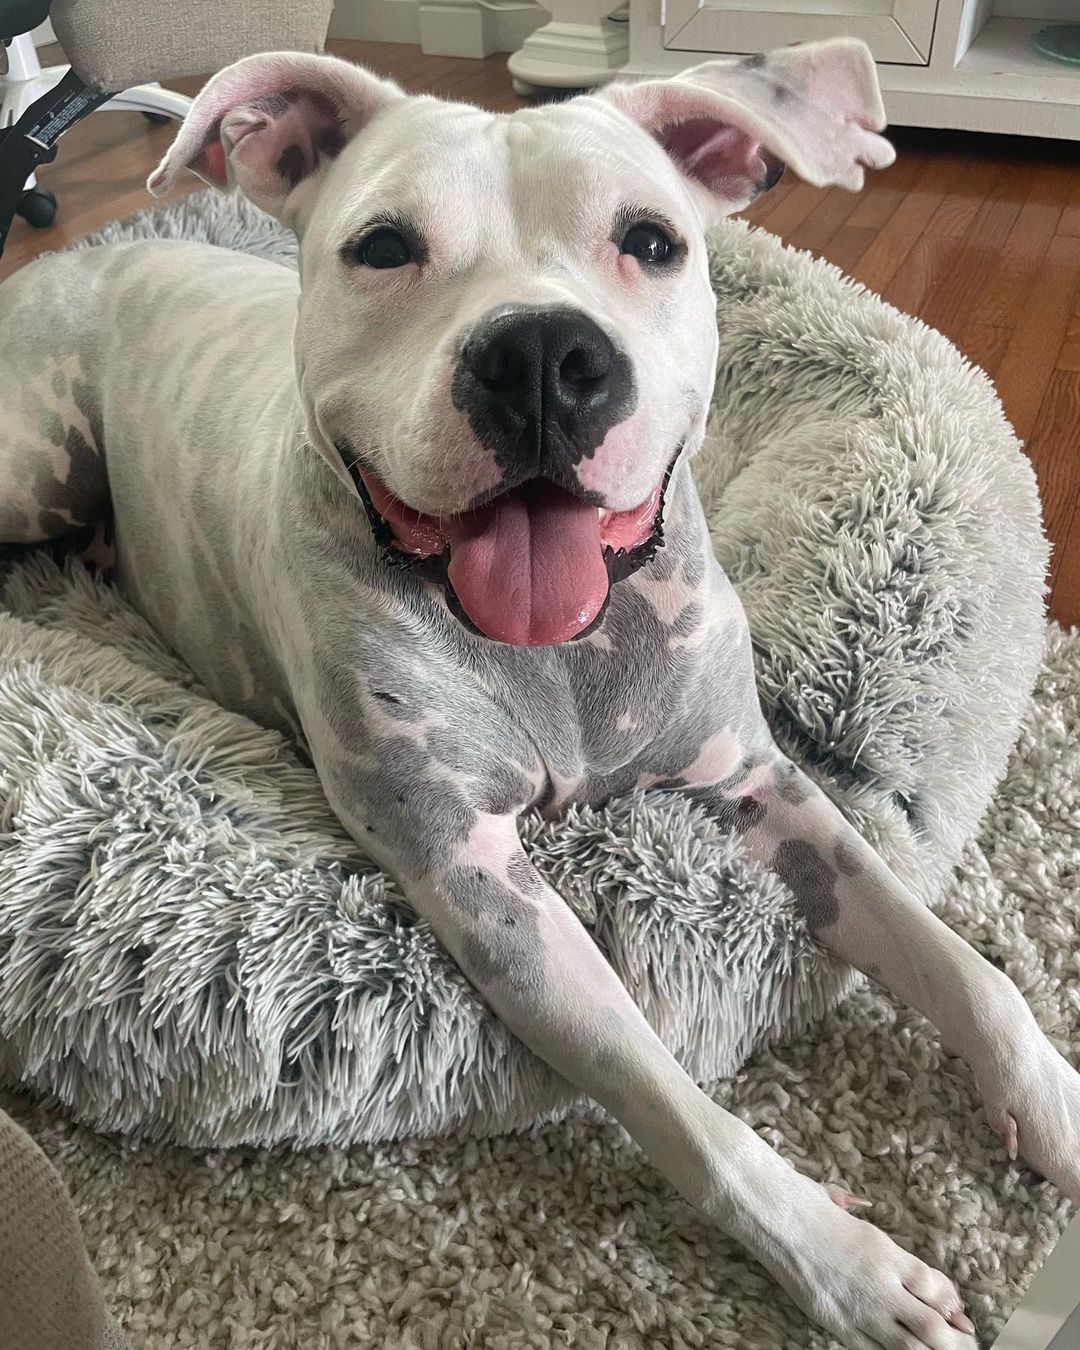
x: 1004, y: 1125
x: 1009, y: 1136
x: 962, y: 1322
x: 846, y: 1199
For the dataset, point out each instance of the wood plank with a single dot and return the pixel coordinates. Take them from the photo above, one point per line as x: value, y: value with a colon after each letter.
x: 791, y: 210
x: 883, y: 195
x: 899, y: 234
x: 1065, y: 592
x: 833, y: 211
x: 485, y: 82
x: 1068, y: 357
x: 756, y: 212
x: 950, y: 307
x: 1053, y: 447
x: 986, y: 333
x: 931, y: 261
x: 1027, y: 367
x: 1070, y: 220
x: 848, y: 245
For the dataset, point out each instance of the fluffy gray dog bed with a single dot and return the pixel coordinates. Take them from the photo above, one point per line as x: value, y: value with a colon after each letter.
x: 191, y: 948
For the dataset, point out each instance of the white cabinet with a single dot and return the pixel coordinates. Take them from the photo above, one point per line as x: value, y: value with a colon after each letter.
x: 895, y: 30
x: 965, y: 64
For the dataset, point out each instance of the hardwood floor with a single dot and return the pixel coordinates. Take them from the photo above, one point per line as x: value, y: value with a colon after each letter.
x: 977, y: 235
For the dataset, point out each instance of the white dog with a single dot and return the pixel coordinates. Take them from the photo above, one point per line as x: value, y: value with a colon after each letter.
x: 430, y: 506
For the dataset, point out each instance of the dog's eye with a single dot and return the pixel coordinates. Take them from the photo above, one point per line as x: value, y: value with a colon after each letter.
x: 384, y: 248
x: 647, y: 243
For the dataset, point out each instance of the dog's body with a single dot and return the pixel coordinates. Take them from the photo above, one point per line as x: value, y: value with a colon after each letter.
x: 538, y: 427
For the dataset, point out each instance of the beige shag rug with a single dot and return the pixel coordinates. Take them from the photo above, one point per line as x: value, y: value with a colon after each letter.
x: 565, y: 1236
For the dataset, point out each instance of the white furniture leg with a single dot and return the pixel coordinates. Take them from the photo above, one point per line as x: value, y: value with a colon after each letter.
x: 580, y: 47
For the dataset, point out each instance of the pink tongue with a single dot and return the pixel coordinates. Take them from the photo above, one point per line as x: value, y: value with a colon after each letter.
x: 529, y: 567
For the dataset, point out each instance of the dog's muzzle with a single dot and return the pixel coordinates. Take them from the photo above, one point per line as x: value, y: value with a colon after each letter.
x: 530, y: 566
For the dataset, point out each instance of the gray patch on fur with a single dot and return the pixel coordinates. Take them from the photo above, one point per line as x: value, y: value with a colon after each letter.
x: 84, y: 476
x: 14, y: 526
x: 419, y: 818
x: 51, y: 525
x: 791, y: 785
x: 503, y: 942
x: 811, y: 881
x: 292, y: 164
x: 53, y: 427
x: 525, y: 877
x: 331, y: 142
x: 847, y: 858
x: 396, y: 706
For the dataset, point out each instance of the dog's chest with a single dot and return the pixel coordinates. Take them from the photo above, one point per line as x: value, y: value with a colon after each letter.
x: 642, y: 700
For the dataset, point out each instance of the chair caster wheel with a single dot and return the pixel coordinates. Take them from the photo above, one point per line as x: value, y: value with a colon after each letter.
x: 37, y: 207
x: 158, y: 119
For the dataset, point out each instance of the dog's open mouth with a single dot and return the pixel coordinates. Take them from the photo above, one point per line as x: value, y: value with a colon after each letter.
x: 532, y: 567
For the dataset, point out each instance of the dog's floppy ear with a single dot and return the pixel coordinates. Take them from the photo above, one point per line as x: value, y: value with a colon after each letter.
x: 731, y: 125
x: 270, y: 124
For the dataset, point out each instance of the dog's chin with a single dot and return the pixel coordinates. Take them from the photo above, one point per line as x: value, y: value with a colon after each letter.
x: 531, y: 566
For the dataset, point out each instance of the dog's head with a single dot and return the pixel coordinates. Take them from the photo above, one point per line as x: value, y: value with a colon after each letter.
x: 506, y: 333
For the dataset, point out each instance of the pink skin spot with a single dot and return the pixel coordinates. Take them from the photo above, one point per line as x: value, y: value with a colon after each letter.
x: 628, y: 267
x: 491, y: 845
x: 564, y: 789
x: 719, y: 756
x: 846, y: 1199
x: 667, y: 598
x: 214, y: 156
x: 622, y: 469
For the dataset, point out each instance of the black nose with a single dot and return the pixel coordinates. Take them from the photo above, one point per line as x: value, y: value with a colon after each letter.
x: 542, y: 387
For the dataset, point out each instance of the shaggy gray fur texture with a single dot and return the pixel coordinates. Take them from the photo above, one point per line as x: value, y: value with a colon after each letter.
x: 191, y: 950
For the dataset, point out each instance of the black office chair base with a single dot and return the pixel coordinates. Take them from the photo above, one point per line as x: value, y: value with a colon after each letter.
x: 37, y: 206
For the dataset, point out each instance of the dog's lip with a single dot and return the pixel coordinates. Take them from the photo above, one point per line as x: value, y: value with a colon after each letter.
x: 424, y: 535
x: 433, y: 568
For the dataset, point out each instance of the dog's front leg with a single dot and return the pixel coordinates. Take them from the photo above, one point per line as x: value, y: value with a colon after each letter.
x: 539, y: 970
x: 856, y: 906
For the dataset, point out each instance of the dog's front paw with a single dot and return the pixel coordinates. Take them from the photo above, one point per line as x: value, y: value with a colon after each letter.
x: 863, y: 1288
x: 1032, y: 1099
